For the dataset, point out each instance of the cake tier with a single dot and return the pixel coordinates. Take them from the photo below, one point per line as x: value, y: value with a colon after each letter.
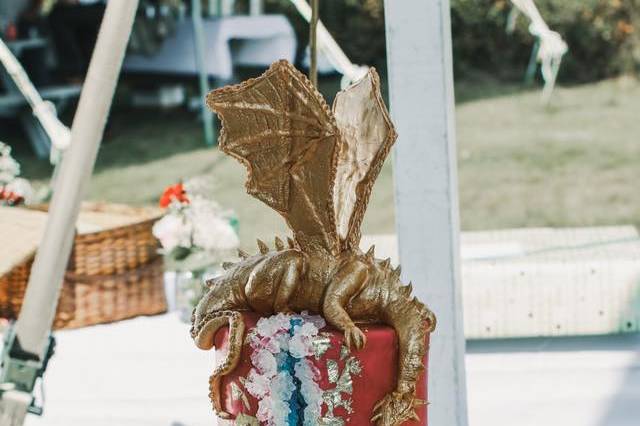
x: 351, y: 383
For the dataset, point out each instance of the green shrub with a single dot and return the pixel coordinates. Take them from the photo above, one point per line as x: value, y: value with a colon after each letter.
x: 357, y: 26
x: 603, y: 35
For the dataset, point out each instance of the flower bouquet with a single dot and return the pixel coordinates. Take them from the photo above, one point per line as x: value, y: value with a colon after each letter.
x: 196, y: 236
x: 13, y: 189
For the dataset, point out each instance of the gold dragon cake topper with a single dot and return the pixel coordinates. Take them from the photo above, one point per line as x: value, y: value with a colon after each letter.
x: 316, y: 167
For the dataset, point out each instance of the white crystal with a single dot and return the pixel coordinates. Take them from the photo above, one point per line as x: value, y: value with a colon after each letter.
x: 264, y: 362
x: 257, y: 384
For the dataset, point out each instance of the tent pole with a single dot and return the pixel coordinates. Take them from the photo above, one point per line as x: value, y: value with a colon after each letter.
x: 420, y: 67
x: 33, y: 326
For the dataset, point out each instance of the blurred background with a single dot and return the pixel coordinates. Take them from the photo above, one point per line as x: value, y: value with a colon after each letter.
x: 521, y: 164
x: 548, y: 170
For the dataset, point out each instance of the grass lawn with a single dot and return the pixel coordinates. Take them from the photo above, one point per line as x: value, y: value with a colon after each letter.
x: 520, y: 164
x: 576, y: 163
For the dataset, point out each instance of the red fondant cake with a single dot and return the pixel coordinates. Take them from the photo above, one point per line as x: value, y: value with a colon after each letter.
x: 377, y: 364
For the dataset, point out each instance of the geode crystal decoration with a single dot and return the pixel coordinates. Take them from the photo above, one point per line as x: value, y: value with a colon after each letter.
x: 315, y: 166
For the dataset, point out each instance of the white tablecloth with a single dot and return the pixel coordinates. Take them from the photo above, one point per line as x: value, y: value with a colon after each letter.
x: 258, y: 41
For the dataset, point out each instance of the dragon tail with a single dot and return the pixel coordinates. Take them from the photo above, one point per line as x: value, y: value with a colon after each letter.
x: 412, y: 321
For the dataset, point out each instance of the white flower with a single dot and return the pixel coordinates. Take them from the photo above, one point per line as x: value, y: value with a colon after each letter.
x: 211, y: 235
x: 173, y: 231
x: 211, y: 231
x: 9, y: 168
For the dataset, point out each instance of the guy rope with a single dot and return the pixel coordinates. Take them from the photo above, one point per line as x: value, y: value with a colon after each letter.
x: 549, y: 49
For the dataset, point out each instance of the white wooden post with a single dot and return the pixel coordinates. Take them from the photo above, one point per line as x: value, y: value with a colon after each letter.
x: 420, y: 71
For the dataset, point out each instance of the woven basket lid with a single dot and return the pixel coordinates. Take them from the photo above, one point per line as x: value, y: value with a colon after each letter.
x: 21, y: 229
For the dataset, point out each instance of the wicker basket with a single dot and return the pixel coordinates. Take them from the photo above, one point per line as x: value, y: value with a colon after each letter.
x: 113, y: 274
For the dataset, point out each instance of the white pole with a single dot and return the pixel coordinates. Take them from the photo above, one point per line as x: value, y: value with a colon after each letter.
x: 34, y: 323
x: 420, y: 71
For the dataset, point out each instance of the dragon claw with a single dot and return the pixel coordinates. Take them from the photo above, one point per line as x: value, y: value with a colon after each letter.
x: 396, y: 408
x: 354, y: 337
x: 223, y: 414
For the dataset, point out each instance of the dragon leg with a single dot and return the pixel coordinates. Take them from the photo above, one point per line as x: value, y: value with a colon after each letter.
x: 412, y: 321
x: 346, y: 283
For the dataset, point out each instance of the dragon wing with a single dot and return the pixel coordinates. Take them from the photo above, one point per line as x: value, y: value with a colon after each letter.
x: 282, y: 130
x: 367, y: 136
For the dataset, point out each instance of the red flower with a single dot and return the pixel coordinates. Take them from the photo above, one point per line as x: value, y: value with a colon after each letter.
x: 10, y: 198
x: 173, y: 192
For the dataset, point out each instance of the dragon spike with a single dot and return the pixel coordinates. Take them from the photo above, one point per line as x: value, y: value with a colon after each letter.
x: 371, y: 251
x: 264, y: 249
x: 292, y: 244
x: 279, y: 244
x: 227, y: 265
x: 242, y: 254
x: 386, y: 263
x: 406, y: 290
x: 397, y: 272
